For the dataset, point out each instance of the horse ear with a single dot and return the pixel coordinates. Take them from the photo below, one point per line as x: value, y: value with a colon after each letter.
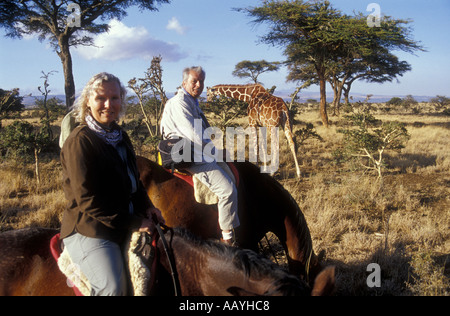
x: 325, y: 282
x: 237, y: 291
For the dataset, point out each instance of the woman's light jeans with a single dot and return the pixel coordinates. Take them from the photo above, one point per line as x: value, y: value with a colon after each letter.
x: 101, y: 261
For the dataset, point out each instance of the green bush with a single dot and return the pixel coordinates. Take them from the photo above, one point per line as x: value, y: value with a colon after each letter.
x: 366, y: 140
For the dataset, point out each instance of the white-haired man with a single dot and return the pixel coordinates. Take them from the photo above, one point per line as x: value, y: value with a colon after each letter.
x: 180, y: 119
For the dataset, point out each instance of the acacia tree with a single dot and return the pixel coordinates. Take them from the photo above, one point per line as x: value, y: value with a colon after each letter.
x: 253, y: 69
x: 65, y: 24
x: 317, y: 36
x: 369, y: 56
x: 378, y: 68
x: 303, y: 30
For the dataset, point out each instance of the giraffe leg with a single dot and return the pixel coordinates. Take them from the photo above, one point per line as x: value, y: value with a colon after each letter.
x: 291, y: 143
x: 253, y: 145
x: 263, y: 149
x: 274, y: 158
x: 274, y: 149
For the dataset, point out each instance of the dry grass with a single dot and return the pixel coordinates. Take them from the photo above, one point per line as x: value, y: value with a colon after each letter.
x: 403, y: 226
x: 23, y: 204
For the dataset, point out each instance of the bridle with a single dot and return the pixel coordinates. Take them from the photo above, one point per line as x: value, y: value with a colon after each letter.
x: 169, y: 254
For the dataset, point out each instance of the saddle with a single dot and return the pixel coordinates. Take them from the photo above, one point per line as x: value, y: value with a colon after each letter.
x: 202, y: 193
x: 140, y: 258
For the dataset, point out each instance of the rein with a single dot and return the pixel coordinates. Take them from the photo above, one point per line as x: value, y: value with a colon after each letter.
x: 170, y: 258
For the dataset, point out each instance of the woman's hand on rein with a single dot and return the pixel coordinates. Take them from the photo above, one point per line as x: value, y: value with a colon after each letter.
x: 148, y: 224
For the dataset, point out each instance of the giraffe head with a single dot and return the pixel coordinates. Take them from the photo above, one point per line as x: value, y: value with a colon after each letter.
x: 211, y: 93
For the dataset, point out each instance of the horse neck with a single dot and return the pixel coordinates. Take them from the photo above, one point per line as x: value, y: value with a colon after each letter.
x: 284, y: 218
x: 211, y: 269
x: 238, y: 92
x: 301, y: 256
x: 188, y: 264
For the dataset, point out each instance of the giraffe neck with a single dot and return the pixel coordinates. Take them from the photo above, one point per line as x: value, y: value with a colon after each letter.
x: 238, y: 92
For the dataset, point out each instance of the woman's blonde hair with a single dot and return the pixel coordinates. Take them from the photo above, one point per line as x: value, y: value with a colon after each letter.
x: 81, y: 104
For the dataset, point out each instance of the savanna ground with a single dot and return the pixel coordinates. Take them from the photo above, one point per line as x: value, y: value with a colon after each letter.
x: 402, y: 225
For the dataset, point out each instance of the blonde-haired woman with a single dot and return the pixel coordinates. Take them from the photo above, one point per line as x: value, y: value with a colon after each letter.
x: 101, y: 183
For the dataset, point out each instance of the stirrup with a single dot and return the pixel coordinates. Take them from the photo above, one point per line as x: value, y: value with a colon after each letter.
x: 230, y: 242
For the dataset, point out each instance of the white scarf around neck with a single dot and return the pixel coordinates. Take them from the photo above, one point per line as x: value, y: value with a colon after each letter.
x: 112, y: 137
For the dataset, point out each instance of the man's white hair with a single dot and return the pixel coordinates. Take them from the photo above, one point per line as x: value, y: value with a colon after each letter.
x: 197, y: 69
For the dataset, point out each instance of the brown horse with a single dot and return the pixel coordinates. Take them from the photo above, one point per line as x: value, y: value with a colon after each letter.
x: 264, y: 206
x: 27, y: 268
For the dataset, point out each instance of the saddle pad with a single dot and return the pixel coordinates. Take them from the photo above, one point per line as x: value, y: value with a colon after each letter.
x: 139, y: 272
x: 55, y: 248
x: 136, y: 254
x: 202, y: 193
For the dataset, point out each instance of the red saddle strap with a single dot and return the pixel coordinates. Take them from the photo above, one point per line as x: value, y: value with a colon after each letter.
x: 188, y: 178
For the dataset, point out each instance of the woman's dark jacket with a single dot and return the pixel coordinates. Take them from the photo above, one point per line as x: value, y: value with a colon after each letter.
x: 98, y: 188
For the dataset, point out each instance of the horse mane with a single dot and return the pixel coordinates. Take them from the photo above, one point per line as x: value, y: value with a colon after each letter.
x: 251, y: 263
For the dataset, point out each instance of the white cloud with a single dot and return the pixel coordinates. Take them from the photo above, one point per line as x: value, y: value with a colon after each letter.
x: 176, y: 26
x: 123, y: 42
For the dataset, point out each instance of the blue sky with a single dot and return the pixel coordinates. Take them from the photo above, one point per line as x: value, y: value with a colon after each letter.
x: 211, y: 34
